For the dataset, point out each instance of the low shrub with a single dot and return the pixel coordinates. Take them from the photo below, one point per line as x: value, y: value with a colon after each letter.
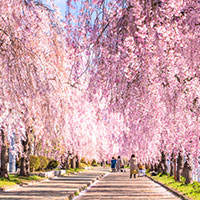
x: 94, y: 162
x: 83, y: 160
x: 89, y: 163
x: 52, y: 164
x: 82, y: 165
x: 34, y: 163
x: 43, y: 162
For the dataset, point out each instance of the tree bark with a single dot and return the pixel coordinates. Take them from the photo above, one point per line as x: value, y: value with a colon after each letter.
x: 4, y: 156
x: 171, y: 168
x: 77, y: 162
x: 172, y: 165
x: 25, y: 159
x: 175, y: 169
x: 147, y: 166
x: 62, y: 163
x: 23, y: 167
x: 67, y: 162
x: 72, y: 162
x: 160, y: 170
x: 180, y: 164
x: 187, y: 171
x: 164, y: 163
x: 156, y: 167
x: 151, y: 167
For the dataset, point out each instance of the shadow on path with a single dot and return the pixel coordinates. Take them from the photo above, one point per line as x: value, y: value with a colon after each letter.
x: 119, y: 186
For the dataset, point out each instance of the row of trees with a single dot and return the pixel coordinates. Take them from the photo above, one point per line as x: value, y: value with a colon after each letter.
x: 117, y: 78
x: 29, y: 64
x: 144, y: 64
x: 39, y: 102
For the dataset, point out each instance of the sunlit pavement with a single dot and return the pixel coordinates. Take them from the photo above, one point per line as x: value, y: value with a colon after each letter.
x: 59, y: 188
x: 119, y: 186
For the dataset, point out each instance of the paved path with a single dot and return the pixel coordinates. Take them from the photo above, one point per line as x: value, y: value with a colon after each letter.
x: 118, y: 186
x: 60, y: 188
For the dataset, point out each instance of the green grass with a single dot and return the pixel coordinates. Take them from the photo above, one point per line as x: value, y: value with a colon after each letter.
x: 84, y: 187
x: 73, y: 170
x: 16, y: 179
x: 5, y: 182
x: 76, y: 193
x: 191, y: 190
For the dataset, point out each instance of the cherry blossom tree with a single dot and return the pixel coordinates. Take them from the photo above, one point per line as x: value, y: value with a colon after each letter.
x: 116, y: 78
x: 30, y: 62
x: 144, y: 64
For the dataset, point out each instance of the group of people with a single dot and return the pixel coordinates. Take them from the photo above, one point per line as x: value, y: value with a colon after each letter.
x: 135, y: 167
x: 117, y: 165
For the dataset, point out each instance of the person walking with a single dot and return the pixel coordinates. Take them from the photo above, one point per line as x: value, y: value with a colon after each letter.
x: 118, y: 165
x: 133, y: 166
x: 113, y: 164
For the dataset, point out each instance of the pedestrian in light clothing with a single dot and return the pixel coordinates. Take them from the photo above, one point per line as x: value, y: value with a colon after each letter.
x: 113, y: 164
x: 133, y: 166
x: 119, y: 163
x: 104, y: 164
x: 142, y: 170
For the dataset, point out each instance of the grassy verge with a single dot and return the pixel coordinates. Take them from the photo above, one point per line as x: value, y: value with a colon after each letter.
x: 68, y: 171
x: 76, y: 193
x: 191, y: 190
x: 16, y: 179
x: 5, y: 182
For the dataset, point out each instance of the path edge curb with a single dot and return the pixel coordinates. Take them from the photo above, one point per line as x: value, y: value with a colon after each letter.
x: 88, y: 185
x: 34, y: 182
x: 179, y: 194
x: 17, y: 186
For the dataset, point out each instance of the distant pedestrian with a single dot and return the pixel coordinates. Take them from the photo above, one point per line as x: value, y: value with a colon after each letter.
x: 133, y: 166
x: 104, y: 163
x: 113, y: 164
x: 119, y: 163
x: 142, y: 170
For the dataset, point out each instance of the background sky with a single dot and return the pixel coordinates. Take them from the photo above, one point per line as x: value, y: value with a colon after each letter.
x: 61, y: 4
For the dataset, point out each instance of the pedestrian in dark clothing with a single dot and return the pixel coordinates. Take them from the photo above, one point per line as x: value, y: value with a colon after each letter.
x: 113, y: 164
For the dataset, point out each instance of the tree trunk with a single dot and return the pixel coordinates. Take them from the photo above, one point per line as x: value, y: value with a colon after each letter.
x: 4, y: 157
x: 147, y: 166
x: 25, y: 159
x: 72, y: 162
x: 164, y: 163
x: 151, y: 167
x: 77, y: 162
x: 180, y: 164
x: 172, y: 165
x: 175, y: 170
x: 171, y: 168
x: 28, y: 157
x: 187, y: 171
x: 156, y: 167
x: 23, y: 167
x: 67, y: 162
x: 160, y: 167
